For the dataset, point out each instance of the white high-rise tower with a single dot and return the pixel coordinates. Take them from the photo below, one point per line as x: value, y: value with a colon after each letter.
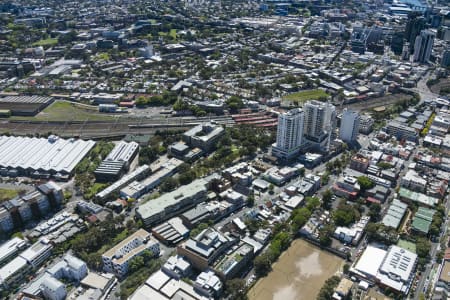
x: 348, y: 132
x: 423, y: 46
x: 319, y: 123
x: 289, y: 134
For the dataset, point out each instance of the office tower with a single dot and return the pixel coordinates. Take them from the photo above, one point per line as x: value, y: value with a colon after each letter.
x: 348, y: 132
x: 405, y: 52
x: 423, y: 46
x: 414, y: 25
x: 289, y: 134
x: 359, y: 39
x: 397, y: 42
x: 445, y: 61
x: 320, y: 118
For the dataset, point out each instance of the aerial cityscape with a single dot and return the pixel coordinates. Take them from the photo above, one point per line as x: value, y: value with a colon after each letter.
x: 224, y: 149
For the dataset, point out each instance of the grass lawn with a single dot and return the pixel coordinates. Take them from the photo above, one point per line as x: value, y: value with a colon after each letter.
x: 102, y: 56
x: 304, y: 96
x: 407, y: 245
x: 172, y: 33
x: 46, y: 42
x: 66, y: 111
x: 7, y: 194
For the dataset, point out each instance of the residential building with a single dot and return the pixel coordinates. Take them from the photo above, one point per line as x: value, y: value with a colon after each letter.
x: 423, y: 46
x: 94, y: 285
x: 140, y: 173
x: 117, y: 258
x: 53, y: 289
x: 204, y: 136
x: 14, y: 272
x: 138, y: 188
x: 320, y: 118
x: 422, y: 221
x: 346, y: 187
x: 343, y: 289
x: 411, y: 196
x: 208, y: 284
x: 177, y: 267
x: 394, y: 215
x: 202, y: 250
x: 289, y: 134
x: 49, y: 284
x: 33, y: 205
x: 352, y: 235
x: 231, y: 264
x: 413, y: 181
x: 349, y: 129
x: 415, y: 24
x: 38, y: 253
x: 32, y: 258
x: 167, y: 284
x: 173, y: 203
x: 402, y: 131
x: 10, y: 248
x: 442, y: 288
x: 359, y: 163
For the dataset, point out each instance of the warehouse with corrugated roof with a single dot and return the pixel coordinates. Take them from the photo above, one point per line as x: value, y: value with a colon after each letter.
x: 36, y: 157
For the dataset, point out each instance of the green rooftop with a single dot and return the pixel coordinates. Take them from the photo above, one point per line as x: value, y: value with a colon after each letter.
x: 422, y: 220
x: 417, y: 197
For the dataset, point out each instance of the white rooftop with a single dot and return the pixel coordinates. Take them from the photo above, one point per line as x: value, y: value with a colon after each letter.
x: 370, y: 261
x: 399, y: 263
x: 11, y: 246
x: 52, y: 154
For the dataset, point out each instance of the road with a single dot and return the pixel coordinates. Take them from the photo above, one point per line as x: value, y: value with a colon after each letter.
x: 424, y: 281
x: 423, y: 89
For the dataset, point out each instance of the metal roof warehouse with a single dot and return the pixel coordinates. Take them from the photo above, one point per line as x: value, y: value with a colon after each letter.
x: 52, y: 155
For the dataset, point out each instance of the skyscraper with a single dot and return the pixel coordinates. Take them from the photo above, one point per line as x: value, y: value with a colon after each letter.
x: 348, y: 132
x: 445, y: 61
x: 423, y: 46
x: 414, y: 25
x: 289, y: 134
x: 397, y: 42
x: 319, y: 123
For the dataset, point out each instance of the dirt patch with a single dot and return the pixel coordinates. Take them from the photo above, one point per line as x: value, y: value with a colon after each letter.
x: 299, y: 274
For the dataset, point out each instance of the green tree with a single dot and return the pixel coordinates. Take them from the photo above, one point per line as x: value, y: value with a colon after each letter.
x: 135, y: 264
x: 327, y: 290
x: 365, y: 183
x: 262, y: 264
x: 235, y: 289
x: 325, y: 234
x: 299, y: 218
x: 344, y: 216
x: 327, y: 199
x: 168, y: 185
x: 423, y: 247
x: 234, y: 103
x: 374, y: 212
x: 312, y: 203
x: 251, y: 200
